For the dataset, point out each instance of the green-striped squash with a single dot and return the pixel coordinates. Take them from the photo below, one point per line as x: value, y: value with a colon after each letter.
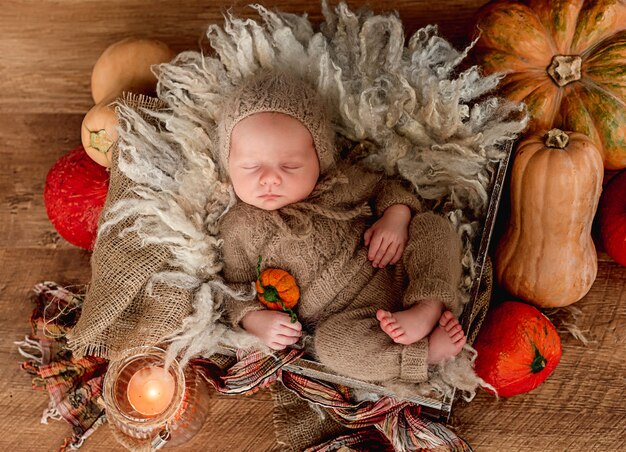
x: 566, y: 59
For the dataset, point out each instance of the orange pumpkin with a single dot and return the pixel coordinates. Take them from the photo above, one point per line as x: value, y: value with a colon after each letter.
x: 546, y: 255
x: 277, y: 290
x: 126, y: 65
x: 518, y: 348
x: 566, y: 60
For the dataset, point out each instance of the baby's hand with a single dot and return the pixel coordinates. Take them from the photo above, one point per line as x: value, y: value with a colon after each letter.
x: 387, y: 237
x: 274, y: 328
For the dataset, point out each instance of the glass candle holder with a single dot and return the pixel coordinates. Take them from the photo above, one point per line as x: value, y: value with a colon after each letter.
x: 151, y: 405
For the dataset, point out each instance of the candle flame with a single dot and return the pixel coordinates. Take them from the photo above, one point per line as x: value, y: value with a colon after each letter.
x: 151, y: 390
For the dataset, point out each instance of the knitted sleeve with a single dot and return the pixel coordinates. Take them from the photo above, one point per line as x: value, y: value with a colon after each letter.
x: 239, y: 271
x: 432, y: 260
x: 395, y: 191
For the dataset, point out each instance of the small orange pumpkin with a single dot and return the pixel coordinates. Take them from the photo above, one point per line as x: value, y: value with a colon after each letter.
x: 277, y: 290
x: 518, y: 348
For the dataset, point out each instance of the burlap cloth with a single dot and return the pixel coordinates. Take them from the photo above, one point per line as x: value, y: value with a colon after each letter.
x: 122, y: 263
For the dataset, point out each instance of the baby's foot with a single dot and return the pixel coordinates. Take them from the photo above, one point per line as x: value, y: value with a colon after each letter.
x: 411, y: 325
x: 447, y: 340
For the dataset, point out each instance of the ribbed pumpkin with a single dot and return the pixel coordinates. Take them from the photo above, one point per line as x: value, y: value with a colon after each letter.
x: 546, y: 255
x: 74, y: 195
x: 518, y: 348
x: 566, y: 60
x: 277, y: 290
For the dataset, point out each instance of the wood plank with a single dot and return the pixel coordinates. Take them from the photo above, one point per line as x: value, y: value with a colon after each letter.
x: 20, y: 406
x: 48, y: 48
x: 29, y: 146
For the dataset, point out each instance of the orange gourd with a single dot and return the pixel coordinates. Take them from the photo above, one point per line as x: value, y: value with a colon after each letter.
x: 124, y: 66
x: 547, y: 256
x: 277, y: 290
x: 566, y: 60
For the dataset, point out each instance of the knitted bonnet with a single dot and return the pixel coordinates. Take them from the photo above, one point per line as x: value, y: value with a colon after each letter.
x: 281, y: 92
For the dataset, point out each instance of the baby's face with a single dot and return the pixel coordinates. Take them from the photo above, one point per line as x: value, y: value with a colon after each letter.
x: 272, y: 161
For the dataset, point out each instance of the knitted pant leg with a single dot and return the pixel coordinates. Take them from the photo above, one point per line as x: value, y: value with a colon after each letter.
x: 351, y: 343
x: 432, y: 261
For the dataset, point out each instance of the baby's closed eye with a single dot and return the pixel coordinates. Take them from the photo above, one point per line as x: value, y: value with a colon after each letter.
x: 249, y: 166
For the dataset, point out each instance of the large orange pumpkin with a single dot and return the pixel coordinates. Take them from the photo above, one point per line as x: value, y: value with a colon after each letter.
x: 518, y: 348
x: 547, y: 256
x: 566, y: 60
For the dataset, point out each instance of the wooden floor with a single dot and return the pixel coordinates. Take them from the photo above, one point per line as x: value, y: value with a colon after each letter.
x: 47, y: 50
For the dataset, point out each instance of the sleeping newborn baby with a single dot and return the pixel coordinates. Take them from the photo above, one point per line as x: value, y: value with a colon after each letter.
x: 378, y: 277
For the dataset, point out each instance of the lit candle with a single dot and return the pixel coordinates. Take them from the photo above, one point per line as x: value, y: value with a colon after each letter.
x: 150, y: 390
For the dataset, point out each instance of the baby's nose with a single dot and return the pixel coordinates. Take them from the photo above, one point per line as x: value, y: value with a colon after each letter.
x: 270, y: 178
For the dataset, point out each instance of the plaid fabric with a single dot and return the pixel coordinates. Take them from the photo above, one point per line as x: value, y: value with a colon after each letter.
x: 364, y: 440
x: 251, y: 371
x: 397, y: 420
x: 75, y: 387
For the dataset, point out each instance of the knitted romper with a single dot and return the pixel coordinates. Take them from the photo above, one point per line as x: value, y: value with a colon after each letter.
x: 320, y: 242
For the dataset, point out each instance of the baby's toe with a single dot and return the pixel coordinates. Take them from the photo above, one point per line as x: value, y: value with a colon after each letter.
x: 457, y: 336
x: 388, y: 322
x: 446, y: 318
x: 401, y: 339
x: 396, y: 331
x: 453, y: 327
x: 382, y: 314
x: 391, y: 328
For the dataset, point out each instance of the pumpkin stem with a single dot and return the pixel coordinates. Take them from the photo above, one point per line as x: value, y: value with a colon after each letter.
x: 258, y: 269
x: 556, y: 138
x: 294, y: 317
x: 100, y: 140
x: 539, y: 363
x: 565, y: 69
x: 270, y: 293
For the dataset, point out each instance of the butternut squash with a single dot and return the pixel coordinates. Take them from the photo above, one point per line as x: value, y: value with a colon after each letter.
x: 546, y: 256
x: 125, y: 66
x: 98, y: 132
